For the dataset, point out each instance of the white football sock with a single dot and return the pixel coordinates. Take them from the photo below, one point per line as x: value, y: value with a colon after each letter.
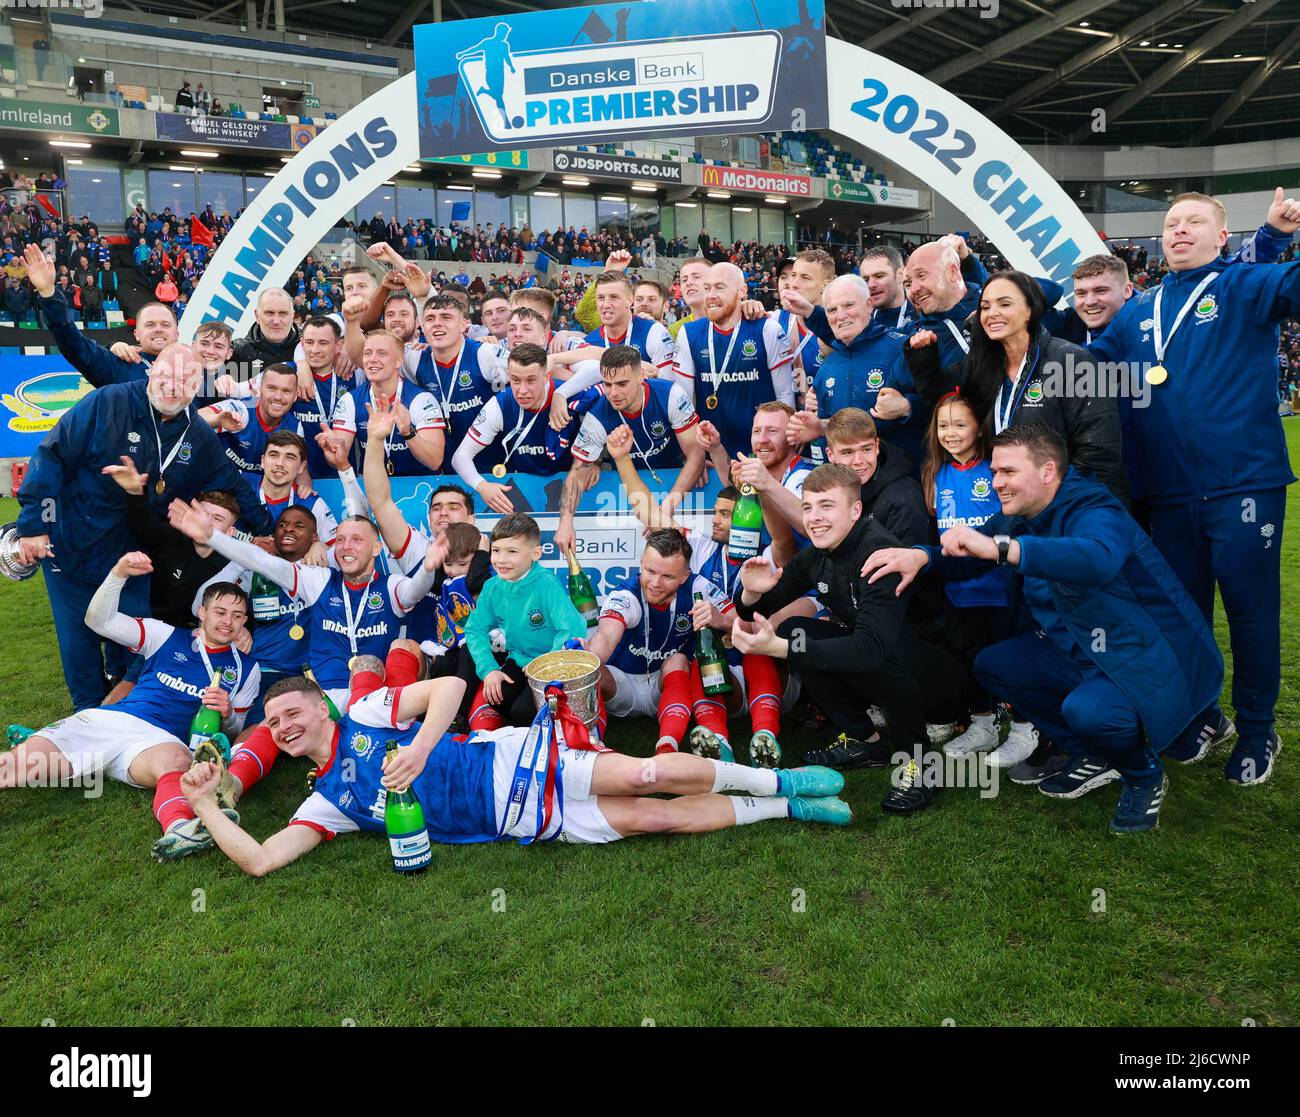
x: 982, y: 719
x: 757, y: 810
x: 737, y: 777
x: 671, y: 742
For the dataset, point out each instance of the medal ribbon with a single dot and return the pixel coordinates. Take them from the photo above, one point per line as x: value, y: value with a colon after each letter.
x: 352, y: 620
x: 162, y: 465
x: 207, y: 662
x: 715, y: 373
x: 956, y: 333
x: 1160, y: 342
x: 1002, y: 415
x: 538, y: 763
x: 505, y: 438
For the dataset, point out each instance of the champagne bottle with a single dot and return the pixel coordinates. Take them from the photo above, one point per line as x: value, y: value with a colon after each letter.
x: 581, y: 593
x: 265, y: 597
x: 206, y: 723
x: 408, y: 839
x: 712, y: 660
x: 746, y: 525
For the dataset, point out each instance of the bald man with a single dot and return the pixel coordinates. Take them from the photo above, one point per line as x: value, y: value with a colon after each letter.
x: 728, y: 365
x: 273, y: 338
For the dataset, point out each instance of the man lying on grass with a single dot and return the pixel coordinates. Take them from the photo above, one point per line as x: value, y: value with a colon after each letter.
x: 464, y: 784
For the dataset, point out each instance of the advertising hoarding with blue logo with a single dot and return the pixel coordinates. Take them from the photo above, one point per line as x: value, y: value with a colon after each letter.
x: 619, y: 71
x: 34, y: 392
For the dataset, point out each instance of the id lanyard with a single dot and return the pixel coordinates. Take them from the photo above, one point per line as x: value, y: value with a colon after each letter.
x: 715, y: 373
x: 956, y: 333
x: 1161, y: 342
x: 161, y: 484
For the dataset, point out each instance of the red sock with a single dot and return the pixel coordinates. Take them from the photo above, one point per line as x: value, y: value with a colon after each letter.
x: 401, y: 668
x: 169, y: 804
x: 674, y: 710
x: 708, y: 712
x: 763, y: 684
x: 482, y: 714
x: 363, y: 683
x: 253, y: 758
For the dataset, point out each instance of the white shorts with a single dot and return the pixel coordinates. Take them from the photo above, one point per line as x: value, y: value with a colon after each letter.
x: 581, y: 820
x: 636, y: 694
x: 105, y: 740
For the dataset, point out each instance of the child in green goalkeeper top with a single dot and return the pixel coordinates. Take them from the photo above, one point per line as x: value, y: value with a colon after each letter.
x: 533, y: 611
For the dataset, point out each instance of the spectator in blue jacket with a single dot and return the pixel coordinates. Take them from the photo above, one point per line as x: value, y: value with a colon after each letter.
x: 155, y: 329
x: 1209, y: 452
x: 1121, y: 661
x: 74, y: 517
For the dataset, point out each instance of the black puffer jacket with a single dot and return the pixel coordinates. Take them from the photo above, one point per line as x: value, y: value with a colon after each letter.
x: 256, y: 347
x: 1063, y: 391
x: 893, y: 498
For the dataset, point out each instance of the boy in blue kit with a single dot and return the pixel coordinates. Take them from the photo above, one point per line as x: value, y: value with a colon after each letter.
x: 532, y: 609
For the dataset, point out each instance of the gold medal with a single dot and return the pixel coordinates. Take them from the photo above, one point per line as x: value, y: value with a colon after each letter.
x: 352, y: 662
x: 498, y: 471
x: 388, y: 465
x: 160, y: 487
x: 712, y: 402
x: 296, y: 632
x: 1157, y: 374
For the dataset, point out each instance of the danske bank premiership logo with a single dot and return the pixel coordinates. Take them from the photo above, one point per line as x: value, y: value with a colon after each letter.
x: 526, y: 96
x: 36, y: 404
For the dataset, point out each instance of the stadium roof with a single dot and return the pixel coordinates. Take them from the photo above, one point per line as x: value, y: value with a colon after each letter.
x: 1167, y: 72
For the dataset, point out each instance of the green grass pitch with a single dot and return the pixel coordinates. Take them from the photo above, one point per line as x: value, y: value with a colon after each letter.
x: 1011, y: 910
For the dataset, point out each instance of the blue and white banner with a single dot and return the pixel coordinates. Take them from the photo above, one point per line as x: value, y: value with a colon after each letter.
x: 616, y: 71
x: 223, y: 131
x: 609, y: 537
x: 34, y: 393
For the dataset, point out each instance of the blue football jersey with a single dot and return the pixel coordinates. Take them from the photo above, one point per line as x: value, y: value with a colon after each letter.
x: 461, y: 387
x: 750, y: 365
x: 652, y: 633
x: 245, y: 446
x: 649, y: 338
x: 177, y: 670
x: 665, y: 412
x: 353, y: 417
x: 455, y: 789
x: 521, y: 440
x: 964, y: 495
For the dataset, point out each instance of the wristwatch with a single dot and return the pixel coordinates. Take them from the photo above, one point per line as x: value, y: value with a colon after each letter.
x: 1004, y: 547
x: 408, y: 435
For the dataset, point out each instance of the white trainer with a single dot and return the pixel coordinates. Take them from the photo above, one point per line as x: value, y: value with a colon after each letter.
x: 1019, y: 745
x: 980, y: 737
x: 938, y: 734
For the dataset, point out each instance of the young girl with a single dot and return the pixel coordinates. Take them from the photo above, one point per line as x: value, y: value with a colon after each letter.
x: 958, y: 484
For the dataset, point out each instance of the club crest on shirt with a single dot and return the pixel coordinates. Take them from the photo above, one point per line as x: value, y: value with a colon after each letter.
x: 980, y: 490
x: 375, y: 602
x: 681, y: 624
x: 1034, y: 393
x: 657, y: 429
x: 536, y: 618
x: 229, y: 675
x: 183, y: 455
x: 749, y: 349
x: 1207, y: 309
x: 464, y: 379
x: 362, y: 744
x: 875, y: 379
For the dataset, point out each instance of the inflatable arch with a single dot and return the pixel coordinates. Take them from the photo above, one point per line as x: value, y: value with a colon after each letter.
x: 942, y: 141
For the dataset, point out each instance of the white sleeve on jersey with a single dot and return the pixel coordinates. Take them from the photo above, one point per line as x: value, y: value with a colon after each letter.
x: 586, y: 374
x: 426, y: 413
x: 378, y: 710
x: 345, y: 414
x: 702, y: 548
x: 720, y: 600
x: 152, y: 636
x: 411, y: 363
x: 590, y: 440
x: 684, y: 365
x: 681, y: 411
x: 235, y: 407
x: 494, y: 366
x: 622, y: 605
x: 417, y: 546
x: 659, y: 344
x: 794, y: 483
x: 488, y: 424
x: 779, y: 360
x: 320, y: 814
x: 312, y: 581
x: 327, y: 527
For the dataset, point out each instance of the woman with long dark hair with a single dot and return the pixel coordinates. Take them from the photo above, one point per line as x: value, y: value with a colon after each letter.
x: 1016, y: 372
